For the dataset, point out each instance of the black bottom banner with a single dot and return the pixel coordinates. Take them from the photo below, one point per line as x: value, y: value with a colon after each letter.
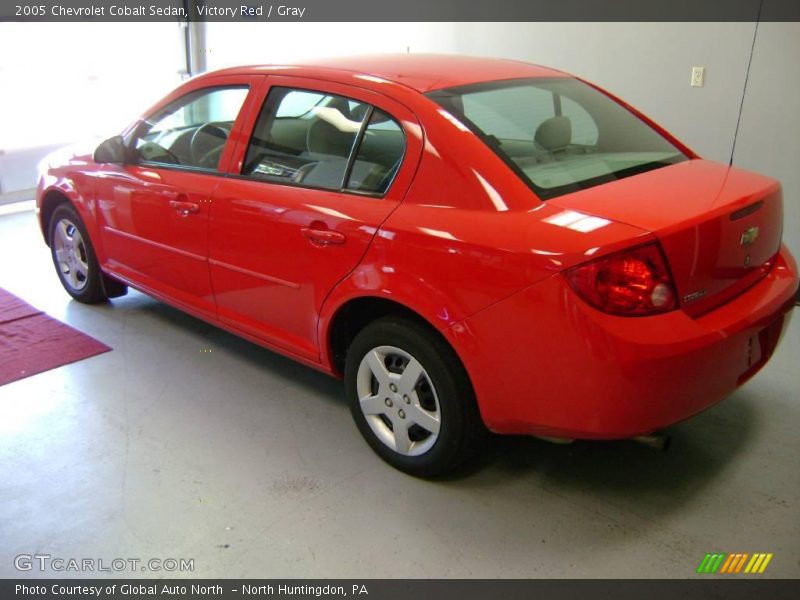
x: 405, y: 589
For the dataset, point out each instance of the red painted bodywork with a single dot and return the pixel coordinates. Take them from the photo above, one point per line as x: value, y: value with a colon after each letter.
x: 466, y: 245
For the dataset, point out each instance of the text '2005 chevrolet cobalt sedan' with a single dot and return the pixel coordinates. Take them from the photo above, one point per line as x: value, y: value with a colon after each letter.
x: 472, y: 244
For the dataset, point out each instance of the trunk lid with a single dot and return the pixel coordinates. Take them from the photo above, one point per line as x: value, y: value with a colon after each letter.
x: 720, y: 227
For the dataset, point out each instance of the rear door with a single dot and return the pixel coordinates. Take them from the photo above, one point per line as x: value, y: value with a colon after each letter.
x: 154, y: 209
x: 325, y: 165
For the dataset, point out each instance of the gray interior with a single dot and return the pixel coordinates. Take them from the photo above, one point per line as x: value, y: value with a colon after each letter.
x: 310, y: 151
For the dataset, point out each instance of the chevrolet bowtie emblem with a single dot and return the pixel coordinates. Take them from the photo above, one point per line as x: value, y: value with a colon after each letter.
x: 749, y: 236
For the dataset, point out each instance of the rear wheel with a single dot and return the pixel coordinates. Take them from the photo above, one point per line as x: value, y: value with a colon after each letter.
x: 74, y: 258
x: 411, y: 398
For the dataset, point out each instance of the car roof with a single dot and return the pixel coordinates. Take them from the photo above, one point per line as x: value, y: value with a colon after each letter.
x: 421, y: 72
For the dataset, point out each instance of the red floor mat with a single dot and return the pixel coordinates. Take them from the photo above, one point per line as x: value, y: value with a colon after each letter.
x: 31, y: 342
x: 12, y: 308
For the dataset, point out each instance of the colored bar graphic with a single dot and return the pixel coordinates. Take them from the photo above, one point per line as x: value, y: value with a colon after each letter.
x: 732, y: 564
x: 711, y: 563
x: 704, y: 564
x: 718, y: 562
x: 741, y: 562
x: 764, y: 564
x: 751, y: 564
x: 729, y: 563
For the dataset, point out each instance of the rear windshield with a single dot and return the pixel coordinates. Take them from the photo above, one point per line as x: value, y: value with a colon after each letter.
x: 559, y: 135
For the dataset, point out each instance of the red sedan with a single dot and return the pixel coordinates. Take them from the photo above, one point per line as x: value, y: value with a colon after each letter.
x: 470, y: 244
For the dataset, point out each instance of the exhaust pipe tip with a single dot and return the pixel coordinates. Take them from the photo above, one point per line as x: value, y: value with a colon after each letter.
x: 554, y: 440
x: 658, y: 441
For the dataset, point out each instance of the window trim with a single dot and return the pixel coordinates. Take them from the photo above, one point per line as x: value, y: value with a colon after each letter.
x: 547, y: 193
x: 139, y: 127
x: 342, y: 189
x: 351, y: 159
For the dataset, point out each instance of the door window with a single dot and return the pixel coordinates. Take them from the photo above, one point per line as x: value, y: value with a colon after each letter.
x: 192, y: 131
x: 379, y: 155
x: 324, y: 141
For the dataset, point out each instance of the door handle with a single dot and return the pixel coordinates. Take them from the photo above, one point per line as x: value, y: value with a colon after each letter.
x: 184, y: 209
x: 323, y: 237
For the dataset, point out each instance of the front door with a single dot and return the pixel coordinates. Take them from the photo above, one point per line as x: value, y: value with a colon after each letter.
x: 153, y: 210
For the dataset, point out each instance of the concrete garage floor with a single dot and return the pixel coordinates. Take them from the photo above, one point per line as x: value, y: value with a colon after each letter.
x: 249, y: 464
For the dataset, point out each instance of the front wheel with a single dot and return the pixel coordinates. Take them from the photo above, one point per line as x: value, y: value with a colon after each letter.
x: 74, y: 258
x: 411, y: 398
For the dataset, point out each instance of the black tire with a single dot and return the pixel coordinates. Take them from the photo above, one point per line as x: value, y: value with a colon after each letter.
x: 87, y: 288
x: 461, y: 431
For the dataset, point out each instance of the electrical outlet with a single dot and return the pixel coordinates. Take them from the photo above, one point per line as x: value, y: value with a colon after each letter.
x: 698, y: 76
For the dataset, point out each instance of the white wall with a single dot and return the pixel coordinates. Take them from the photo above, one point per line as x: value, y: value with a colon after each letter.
x: 230, y: 44
x: 65, y: 82
x: 769, y: 133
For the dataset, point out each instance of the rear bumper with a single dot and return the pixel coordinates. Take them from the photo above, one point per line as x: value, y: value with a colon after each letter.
x: 543, y: 362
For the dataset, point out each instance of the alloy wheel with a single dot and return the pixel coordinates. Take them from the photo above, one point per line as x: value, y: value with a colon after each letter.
x: 398, y: 400
x: 71, y: 256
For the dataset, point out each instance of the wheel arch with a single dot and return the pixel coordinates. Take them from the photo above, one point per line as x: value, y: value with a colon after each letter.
x: 51, y: 200
x: 64, y: 193
x: 353, y: 314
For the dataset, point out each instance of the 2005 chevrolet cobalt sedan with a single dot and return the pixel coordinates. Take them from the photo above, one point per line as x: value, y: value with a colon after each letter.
x: 471, y: 244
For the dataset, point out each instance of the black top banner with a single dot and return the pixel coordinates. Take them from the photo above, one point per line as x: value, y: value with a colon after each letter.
x: 405, y: 10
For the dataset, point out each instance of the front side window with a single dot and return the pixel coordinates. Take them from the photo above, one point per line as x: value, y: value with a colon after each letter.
x: 324, y: 141
x: 190, y: 132
x: 559, y: 135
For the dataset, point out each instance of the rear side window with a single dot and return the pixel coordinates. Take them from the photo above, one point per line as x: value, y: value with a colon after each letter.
x: 325, y: 141
x: 379, y: 155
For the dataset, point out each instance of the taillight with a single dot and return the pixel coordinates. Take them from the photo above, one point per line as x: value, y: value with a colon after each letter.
x: 634, y: 282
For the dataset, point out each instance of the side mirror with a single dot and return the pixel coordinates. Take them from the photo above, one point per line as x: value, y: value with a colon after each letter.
x: 111, y: 151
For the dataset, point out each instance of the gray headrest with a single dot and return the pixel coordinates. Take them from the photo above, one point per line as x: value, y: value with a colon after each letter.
x: 554, y: 134
x: 324, y: 138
